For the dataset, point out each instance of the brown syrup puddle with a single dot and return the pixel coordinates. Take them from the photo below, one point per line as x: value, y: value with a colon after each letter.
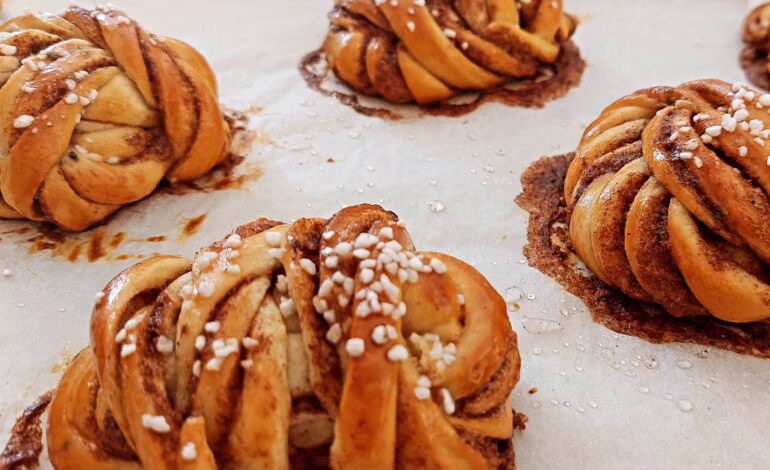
x: 26, y: 441
x: 553, y: 83
x: 754, y: 60
x: 550, y: 250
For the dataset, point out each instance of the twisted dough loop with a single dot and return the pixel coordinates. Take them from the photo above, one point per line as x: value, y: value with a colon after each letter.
x: 755, y: 57
x: 427, y: 51
x: 756, y: 26
x: 95, y: 112
x: 669, y: 198
x: 249, y: 366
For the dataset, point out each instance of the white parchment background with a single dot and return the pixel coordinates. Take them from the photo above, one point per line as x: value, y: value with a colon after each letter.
x: 605, y: 401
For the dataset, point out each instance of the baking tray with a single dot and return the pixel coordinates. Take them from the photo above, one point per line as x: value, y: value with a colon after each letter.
x: 601, y: 400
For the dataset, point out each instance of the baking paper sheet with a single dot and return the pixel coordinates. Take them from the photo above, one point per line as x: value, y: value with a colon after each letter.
x: 604, y: 401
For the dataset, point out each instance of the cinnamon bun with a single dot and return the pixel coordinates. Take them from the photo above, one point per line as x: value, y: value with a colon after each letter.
x: 306, y: 345
x: 95, y: 112
x: 428, y: 51
x: 669, y: 195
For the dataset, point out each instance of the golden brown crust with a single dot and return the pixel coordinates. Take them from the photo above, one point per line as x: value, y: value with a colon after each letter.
x: 686, y: 222
x: 754, y: 58
x: 428, y: 51
x: 756, y: 25
x: 95, y: 112
x: 274, y: 346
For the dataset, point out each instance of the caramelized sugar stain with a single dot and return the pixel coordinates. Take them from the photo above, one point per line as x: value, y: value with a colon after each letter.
x: 242, y: 137
x: 191, y: 227
x: 519, y: 421
x: 314, y: 70
x: 99, y: 244
x: 264, y: 139
x: 549, y: 249
x: 552, y: 82
x: 96, y: 247
x: 117, y: 239
x: 22, y: 451
x: 224, y: 176
x: 63, y: 360
x: 92, y: 246
x: 18, y: 231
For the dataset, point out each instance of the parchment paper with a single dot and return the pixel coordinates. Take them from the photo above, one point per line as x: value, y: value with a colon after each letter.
x: 604, y: 401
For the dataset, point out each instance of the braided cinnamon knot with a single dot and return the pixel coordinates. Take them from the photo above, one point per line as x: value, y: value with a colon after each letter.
x: 426, y: 51
x: 318, y: 343
x: 669, y: 196
x: 95, y: 112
